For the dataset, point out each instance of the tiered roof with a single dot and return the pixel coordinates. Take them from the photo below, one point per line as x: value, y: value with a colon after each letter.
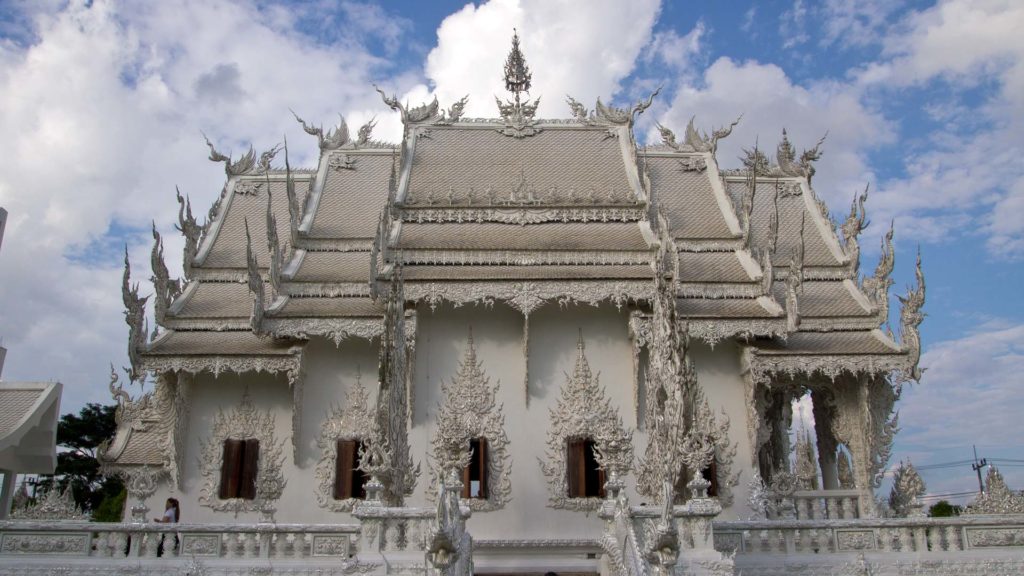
x: 525, y: 211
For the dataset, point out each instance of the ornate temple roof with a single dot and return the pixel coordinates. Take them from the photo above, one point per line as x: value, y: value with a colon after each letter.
x: 517, y: 209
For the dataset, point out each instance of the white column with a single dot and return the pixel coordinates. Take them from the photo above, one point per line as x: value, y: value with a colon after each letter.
x: 7, y: 493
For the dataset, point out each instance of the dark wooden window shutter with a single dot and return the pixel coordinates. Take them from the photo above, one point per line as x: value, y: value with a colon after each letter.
x: 476, y: 470
x: 349, y: 481
x: 584, y: 476
x: 250, y: 467
x: 576, y: 467
x: 230, y: 469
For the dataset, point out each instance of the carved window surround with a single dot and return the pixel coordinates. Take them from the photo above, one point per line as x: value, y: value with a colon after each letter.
x: 354, y: 421
x: 242, y: 422
x: 469, y: 410
x: 583, y: 411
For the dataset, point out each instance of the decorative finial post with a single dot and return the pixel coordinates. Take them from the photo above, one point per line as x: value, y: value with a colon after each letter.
x: 517, y: 73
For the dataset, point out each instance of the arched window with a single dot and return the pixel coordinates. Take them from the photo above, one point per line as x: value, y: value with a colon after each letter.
x: 349, y: 480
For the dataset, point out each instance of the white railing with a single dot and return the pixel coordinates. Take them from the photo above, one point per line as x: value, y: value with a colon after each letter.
x: 903, y: 535
x: 129, y: 542
x: 826, y: 504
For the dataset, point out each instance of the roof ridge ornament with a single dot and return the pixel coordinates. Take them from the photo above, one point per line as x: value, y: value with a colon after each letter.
x: 424, y: 113
x: 135, y: 317
x: 190, y: 229
x: 911, y: 317
x: 246, y: 164
x: 331, y: 140
x: 695, y: 140
x: 610, y: 116
x: 518, y: 114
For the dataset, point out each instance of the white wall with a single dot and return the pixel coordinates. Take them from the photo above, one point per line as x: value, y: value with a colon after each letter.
x: 441, y: 341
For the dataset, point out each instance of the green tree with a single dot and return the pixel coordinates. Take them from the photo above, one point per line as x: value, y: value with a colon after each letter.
x: 943, y: 509
x: 79, y: 435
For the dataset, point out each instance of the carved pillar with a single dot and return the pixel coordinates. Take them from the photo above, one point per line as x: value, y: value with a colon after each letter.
x: 7, y: 493
x: 850, y: 426
x: 823, y: 409
x: 774, y: 454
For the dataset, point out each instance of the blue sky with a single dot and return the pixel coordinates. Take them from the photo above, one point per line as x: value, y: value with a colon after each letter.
x: 102, y: 104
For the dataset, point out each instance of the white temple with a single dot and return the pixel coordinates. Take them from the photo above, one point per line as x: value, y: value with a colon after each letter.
x: 517, y: 345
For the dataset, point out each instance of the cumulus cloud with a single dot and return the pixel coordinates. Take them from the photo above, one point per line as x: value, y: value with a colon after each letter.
x: 570, y: 50
x: 970, y: 394
x: 770, y: 101
x: 102, y: 106
x: 972, y: 164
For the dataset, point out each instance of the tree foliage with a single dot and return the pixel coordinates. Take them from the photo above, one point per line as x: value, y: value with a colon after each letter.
x: 78, y: 437
x: 943, y: 509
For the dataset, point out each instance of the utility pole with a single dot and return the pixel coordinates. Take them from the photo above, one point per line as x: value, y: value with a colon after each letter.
x: 977, y: 465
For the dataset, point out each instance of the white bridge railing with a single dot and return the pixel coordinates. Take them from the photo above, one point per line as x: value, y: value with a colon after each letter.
x: 826, y: 504
x: 904, y: 535
x: 130, y: 541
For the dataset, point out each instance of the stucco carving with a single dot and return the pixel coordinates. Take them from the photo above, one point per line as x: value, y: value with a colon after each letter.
x: 528, y: 296
x: 353, y: 421
x: 907, y: 490
x: 469, y: 410
x: 242, y: 422
x: 997, y: 498
x: 397, y: 472
x: 523, y: 258
x: 334, y: 329
x: 290, y: 365
x: 53, y: 504
x: 714, y: 331
x: 526, y: 214
x: 583, y: 411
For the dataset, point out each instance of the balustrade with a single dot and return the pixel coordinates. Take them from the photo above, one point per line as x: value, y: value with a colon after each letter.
x: 826, y: 504
x: 162, y: 542
x: 904, y: 535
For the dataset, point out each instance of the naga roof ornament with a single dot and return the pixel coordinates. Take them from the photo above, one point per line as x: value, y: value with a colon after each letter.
x: 876, y: 286
x: 911, y: 317
x: 246, y: 164
x: 851, y: 228
x: 788, y: 165
x: 331, y: 140
x: 610, y: 116
x: 255, y: 284
x: 694, y: 140
x: 420, y: 114
x: 273, y: 246
x: 135, y: 317
x: 517, y: 113
x: 190, y: 229
x: 165, y: 289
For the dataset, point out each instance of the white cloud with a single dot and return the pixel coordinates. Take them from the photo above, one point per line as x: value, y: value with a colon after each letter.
x: 853, y: 23
x: 970, y: 394
x: 102, y: 112
x: 969, y: 174
x: 769, y: 102
x: 676, y: 52
x: 582, y: 52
